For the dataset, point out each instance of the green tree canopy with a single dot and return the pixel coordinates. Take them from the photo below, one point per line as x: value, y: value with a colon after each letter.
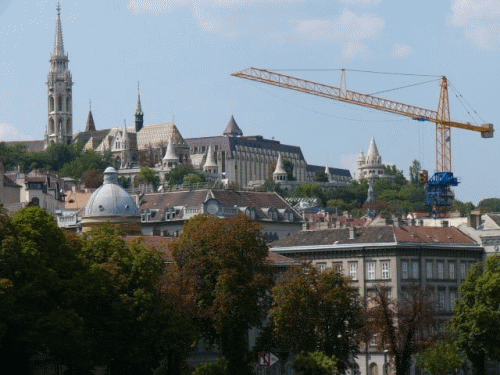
x: 415, y: 168
x: 224, y: 259
x: 441, y: 358
x: 489, y: 205
x: 314, y: 363
x: 477, y: 313
x: 320, y: 176
x: 148, y: 176
x: 315, y: 310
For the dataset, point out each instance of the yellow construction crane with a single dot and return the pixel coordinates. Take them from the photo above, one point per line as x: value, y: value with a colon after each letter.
x: 441, y: 117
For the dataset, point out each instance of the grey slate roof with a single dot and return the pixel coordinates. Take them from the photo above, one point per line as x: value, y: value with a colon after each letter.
x: 333, y: 171
x: 232, y: 128
x: 229, y: 144
x: 34, y: 146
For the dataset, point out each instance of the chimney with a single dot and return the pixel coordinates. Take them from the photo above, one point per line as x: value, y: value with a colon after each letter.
x: 352, y: 233
x: 474, y: 219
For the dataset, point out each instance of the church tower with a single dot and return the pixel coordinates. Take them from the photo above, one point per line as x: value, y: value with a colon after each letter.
x: 59, y: 94
x: 139, y: 115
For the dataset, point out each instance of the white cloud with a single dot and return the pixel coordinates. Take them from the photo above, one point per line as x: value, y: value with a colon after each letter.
x: 348, y: 29
x: 361, y: 2
x: 10, y: 133
x: 480, y: 20
x: 401, y: 51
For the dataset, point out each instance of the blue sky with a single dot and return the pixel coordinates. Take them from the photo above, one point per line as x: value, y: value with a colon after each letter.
x: 183, y: 52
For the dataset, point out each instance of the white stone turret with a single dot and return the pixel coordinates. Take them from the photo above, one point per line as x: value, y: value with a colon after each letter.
x: 279, y: 173
x: 59, y: 84
x: 170, y: 160
x: 370, y: 166
x: 210, y: 164
x: 327, y: 172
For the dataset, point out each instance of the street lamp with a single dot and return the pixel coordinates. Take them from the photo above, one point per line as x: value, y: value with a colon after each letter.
x: 386, y: 365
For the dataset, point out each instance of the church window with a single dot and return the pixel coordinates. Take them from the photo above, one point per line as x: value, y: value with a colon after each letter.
x: 51, y: 126
x: 68, y: 126
x: 67, y: 104
x: 51, y: 104
x: 60, y: 103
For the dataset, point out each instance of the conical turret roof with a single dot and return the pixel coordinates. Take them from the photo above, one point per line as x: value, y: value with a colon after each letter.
x: 280, y: 166
x: 232, y: 129
x: 58, y: 41
x: 138, y: 111
x: 170, y: 154
x: 90, y: 127
x: 210, y: 163
x: 373, y: 156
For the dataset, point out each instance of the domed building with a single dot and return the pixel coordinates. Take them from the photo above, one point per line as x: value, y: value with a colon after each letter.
x: 112, y: 204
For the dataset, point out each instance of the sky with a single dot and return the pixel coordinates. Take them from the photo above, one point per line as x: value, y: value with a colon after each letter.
x: 183, y: 53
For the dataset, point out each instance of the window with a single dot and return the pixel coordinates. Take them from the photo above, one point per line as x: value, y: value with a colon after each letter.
x: 404, y: 269
x: 441, y: 300
x: 385, y: 270
x: 451, y: 270
x: 374, y: 340
x: 440, y: 270
x: 414, y: 269
x: 321, y: 266
x: 463, y: 270
x: 337, y: 266
x: 453, y: 297
x: 370, y: 267
x: 353, y: 270
x: 428, y: 268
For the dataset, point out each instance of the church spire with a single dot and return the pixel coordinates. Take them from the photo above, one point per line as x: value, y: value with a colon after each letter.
x: 58, y: 42
x: 90, y: 127
x: 139, y: 115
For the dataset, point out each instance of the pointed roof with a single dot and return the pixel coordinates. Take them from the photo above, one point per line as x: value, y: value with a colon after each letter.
x: 210, y: 163
x: 138, y: 111
x: 58, y: 41
x: 373, y: 150
x: 327, y: 170
x: 280, y: 166
x: 361, y: 156
x: 90, y: 127
x: 232, y: 129
x: 170, y: 154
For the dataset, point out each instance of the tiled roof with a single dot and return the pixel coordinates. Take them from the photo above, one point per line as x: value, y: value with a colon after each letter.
x: 374, y: 235
x: 431, y: 235
x: 8, y: 182
x: 97, y: 136
x: 154, y: 134
x: 227, y: 199
x: 279, y: 260
x: 232, y: 128
x: 333, y: 171
x: 339, y: 236
x: 77, y: 199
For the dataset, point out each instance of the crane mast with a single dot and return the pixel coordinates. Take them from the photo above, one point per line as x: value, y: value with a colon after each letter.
x: 441, y: 117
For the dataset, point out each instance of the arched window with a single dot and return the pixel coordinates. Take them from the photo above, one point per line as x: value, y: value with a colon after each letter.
x: 373, y: 369
x: 60, y: 125
x: 68, y: 126
x: 68, y: 103
x: 35, y: 201
x: 51, y: 126
x: 51, y: 104
x: 60, y: 103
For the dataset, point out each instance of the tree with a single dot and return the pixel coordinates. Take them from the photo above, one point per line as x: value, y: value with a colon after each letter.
x: 193, y: 179
x: 41, y: 297
x: 176, y: 175
x: 309, y: 190
x: 320, y: 176
x: 87, y: 160
x: 288, y: 165
x: 132, y: 318
x: 400, y: 324
x: 463, y: 208
x: 213, y: 368
x: 148, y: 176
x: 398, y: 174
x: 489, y: 205
x: 92, y: 179
x: 477, y: 313
x: 315, y: 363
x: 315, y: 310
x: 415, y: 168
x: 224, y: 259
x: 441, y: 358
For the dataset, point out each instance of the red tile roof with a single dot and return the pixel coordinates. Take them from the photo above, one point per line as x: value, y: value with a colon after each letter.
x: 431, y: 235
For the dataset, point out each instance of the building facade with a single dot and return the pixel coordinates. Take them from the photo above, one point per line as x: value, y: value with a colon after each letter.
x: 397, y: 258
